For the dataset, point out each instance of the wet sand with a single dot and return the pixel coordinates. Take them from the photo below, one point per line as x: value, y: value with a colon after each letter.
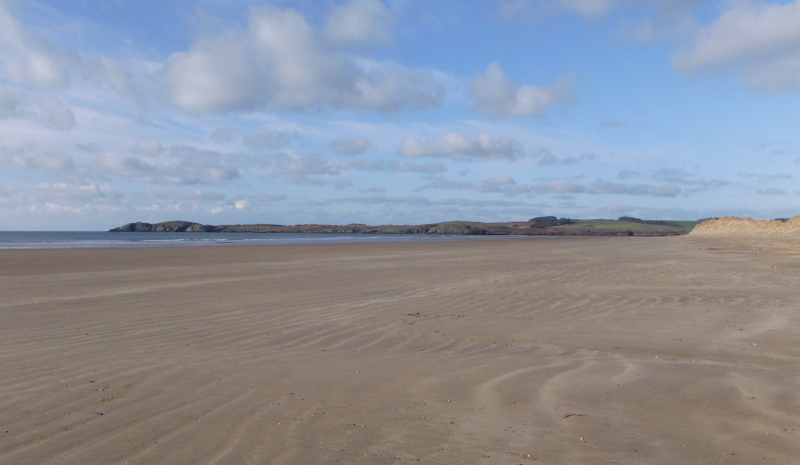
x: 541, y: 350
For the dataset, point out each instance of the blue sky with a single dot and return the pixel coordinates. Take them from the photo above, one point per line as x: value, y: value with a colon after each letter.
x: 396, y: 111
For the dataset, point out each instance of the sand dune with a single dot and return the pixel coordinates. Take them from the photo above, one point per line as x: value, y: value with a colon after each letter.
x: 546, y: 350
x: 733, y: 226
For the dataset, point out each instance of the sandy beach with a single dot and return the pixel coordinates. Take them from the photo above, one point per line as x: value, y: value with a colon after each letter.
x: 540, y: 350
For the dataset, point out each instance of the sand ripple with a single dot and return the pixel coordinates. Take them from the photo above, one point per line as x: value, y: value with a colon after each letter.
x: 549, y: 350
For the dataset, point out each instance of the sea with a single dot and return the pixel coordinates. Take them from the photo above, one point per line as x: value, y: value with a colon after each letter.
x: 100, y: 239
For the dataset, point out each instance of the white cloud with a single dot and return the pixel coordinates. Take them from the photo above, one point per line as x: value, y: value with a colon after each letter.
x: 267, y: 140
x: 547, y: 158
x: 235, y: 205
x: 461, y: 147
x: 126, y: 166
x: 27, y: 58
x: 360, y: 22
x: 495, y: 94
x: 79, y: 198
x: 279, y: 61
x: 181, y: 164
x: 57, y: 115
x: 148, y: 147
x: 34, y: 106
x: 303, y: 166
x: 110, y: 74
x: 44, y: 161
x: 215, y: 75
x: 9, y: 103
x: 505, y: 185
x: 355, y: 146
x: 776, y: 76
x: 762, y: 40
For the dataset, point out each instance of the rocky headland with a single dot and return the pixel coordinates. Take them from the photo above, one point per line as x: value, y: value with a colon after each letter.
x: 546, y: 225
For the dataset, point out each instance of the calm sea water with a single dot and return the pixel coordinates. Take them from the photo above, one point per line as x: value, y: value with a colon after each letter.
x: 97, y: 239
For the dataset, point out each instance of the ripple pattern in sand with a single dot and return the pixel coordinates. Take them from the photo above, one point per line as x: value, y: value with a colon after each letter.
x: 552, y: 350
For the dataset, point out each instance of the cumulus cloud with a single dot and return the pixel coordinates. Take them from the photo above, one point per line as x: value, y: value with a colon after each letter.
x: 57, y: 115
x: 547, y: 158
x: 181, y: 164
x: 53, y: 203
x: 28, y: 58
x: 505, y: 185
x: 107, y: 73
x: 148, y: 147
x: 462, y: 147
x: 9, y: 103
x: 495, y: 94
x: 314, y: 165
x: 170, y: 201
x: 267, y: 140
x: 43, y: 161
x: 240, y: 204
x: 126, y: 166
x: 215, y: 75
x: 42, y: 108
x: 280, y: 61
x: 360, y: 22
x: 760, y: 40
x: 355, y: 146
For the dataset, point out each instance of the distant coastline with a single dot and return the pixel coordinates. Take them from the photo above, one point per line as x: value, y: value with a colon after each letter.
x: 540, y: 226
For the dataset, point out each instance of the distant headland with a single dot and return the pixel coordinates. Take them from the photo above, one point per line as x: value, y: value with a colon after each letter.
x: 539, y: 226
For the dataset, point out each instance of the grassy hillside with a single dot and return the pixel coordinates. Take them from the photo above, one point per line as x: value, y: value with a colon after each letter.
x: 680, y: 227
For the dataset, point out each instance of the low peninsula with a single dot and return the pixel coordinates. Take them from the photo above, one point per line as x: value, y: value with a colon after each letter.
x: 539, y: 226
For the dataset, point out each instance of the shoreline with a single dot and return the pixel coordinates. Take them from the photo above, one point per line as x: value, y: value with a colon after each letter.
x: 104, y: 240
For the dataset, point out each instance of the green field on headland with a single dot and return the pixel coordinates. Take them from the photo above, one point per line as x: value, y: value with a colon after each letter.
x: 540, y: 226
